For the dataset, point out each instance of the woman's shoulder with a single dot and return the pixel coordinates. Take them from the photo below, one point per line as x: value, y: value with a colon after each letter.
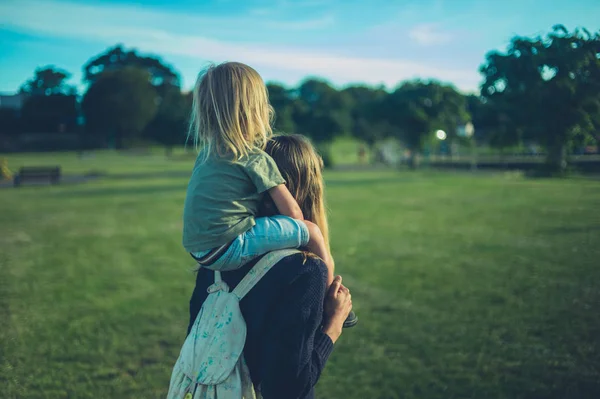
x: 295, y: 269
x: 299, y: 279
x: 304, y: 263
x: 306, y: 258
x: 285, y: 270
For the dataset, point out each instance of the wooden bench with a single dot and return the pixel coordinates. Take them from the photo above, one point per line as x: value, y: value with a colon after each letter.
x: 37, y: 174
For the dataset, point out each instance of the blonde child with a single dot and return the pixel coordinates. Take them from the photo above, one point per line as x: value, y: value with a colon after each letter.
x: 231, y: 124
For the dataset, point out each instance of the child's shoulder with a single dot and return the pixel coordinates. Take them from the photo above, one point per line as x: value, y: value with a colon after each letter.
x: 211, y: 165
x: 256, y: 158
x: 255, y: 155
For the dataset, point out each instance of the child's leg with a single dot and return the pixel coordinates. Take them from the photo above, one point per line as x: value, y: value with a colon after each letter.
x: 316, y: 245
x: 268, y: 234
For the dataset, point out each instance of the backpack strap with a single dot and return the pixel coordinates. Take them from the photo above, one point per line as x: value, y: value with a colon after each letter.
x: 219, y: 284
x: 260, y: 269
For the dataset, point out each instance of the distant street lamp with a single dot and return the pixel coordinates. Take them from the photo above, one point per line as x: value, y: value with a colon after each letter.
x: 441, y: 135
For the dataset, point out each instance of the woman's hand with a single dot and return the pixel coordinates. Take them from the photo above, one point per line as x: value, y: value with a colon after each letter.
x: 338, y: 304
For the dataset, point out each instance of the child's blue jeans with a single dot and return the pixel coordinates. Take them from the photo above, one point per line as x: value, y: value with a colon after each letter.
x: 268, y: 234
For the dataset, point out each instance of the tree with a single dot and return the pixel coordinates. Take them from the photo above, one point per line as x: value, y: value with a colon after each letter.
x: 283, y: 103
x: 321, y: 112
x: 367, y: 123
x: 492, y: 124
x: 116, y: 58
x: 47, y: 81
x: 120, y: 104
x: 549, y: 88
x: 170, y: 125
x: 172, y: 111
x: 10, y: 123
x: 417, y: 109
x: 53, y: 113
x: 50, y: 105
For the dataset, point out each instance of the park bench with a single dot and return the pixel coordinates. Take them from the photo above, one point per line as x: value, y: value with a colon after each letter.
x: 37, y: 174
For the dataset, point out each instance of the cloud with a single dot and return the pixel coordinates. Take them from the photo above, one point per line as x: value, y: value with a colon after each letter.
x: 61, y: 12
x: 339, y: 68
x: 167, y: 33
x: 429, y: 35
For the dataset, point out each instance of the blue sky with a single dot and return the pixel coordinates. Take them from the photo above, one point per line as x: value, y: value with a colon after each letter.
x: 343, y: 41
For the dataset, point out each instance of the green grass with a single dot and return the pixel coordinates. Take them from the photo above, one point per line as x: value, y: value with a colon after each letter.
x: 344, y: 150
x: 106, y: 161
x: 483, y: 286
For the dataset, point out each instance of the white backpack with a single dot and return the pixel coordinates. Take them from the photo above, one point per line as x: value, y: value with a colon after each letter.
x: 211, y: 364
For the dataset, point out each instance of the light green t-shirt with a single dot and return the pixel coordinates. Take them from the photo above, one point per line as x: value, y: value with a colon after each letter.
x: 223, y: 198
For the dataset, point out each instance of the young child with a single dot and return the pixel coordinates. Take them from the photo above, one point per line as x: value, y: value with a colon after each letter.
x: 231, y: 123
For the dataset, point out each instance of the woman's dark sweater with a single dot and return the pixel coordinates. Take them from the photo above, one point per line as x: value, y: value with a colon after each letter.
x: 285, y: 347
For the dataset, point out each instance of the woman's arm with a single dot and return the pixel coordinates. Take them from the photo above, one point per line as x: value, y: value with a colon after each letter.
x: 338, y: 305
x: 295, y: 348
x: 285, y: 202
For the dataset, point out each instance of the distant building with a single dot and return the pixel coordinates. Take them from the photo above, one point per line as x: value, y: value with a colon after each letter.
x: 13, y: 101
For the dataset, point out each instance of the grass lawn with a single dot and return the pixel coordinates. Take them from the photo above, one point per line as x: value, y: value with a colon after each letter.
x: 484, y: 286
x: 343, y: 150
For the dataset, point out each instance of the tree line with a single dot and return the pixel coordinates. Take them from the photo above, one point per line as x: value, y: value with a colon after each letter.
x: 541, y: 89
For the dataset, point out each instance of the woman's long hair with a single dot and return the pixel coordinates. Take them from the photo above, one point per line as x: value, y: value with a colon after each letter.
x: 301, y: 167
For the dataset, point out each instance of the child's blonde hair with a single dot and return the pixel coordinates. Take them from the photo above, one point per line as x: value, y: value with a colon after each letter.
x: 231, y: 114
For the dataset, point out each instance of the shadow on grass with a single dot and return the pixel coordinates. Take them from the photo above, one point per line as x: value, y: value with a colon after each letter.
x: 181, y: 188
x: 148, y: 175
x: 571, y: 230
x: 365, y: 182
x: 116, y: 191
